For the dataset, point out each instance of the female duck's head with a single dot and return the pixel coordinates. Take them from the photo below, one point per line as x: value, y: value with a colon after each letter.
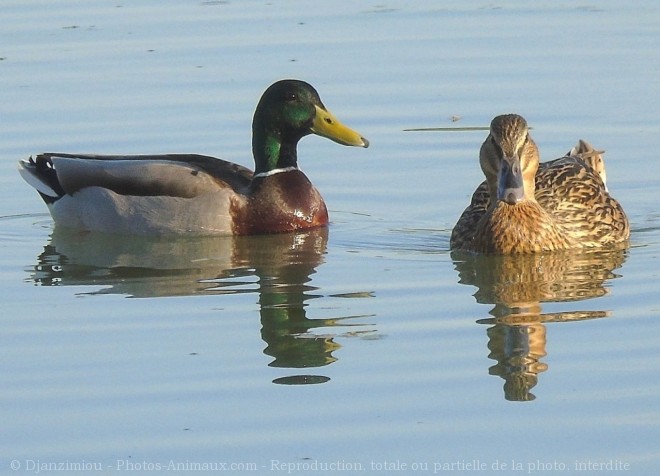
x: 509, y: 158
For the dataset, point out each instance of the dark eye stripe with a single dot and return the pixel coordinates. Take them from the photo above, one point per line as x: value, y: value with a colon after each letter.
x: 497, y: 146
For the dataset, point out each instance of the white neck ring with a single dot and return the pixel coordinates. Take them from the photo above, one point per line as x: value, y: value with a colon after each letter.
x: 274, y: 171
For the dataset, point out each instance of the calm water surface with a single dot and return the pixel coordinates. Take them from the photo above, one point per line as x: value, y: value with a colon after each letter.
x: 368, y: 347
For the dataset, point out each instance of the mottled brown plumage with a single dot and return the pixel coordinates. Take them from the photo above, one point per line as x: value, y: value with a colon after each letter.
x: 561, y: 204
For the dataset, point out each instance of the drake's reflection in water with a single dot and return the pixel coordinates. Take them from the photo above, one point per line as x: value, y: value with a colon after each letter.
x: 517, y: 285
x: 278, y: 268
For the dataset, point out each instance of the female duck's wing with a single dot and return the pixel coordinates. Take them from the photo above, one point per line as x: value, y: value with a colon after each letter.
x: 574, y: 192
x: 176, y: 175
x: 463, y: 232
x: 594, y: 158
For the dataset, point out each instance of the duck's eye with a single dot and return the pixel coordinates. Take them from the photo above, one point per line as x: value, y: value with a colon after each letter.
x: 290, y: 96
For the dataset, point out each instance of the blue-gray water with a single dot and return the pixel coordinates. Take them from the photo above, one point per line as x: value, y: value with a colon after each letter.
x: 362, y: 347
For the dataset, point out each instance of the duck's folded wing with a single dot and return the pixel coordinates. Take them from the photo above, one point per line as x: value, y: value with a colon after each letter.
x: 176, y: 175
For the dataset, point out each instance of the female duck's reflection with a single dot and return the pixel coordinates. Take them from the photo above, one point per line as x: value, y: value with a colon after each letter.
x: 277, y: 267
x: 517, y: 285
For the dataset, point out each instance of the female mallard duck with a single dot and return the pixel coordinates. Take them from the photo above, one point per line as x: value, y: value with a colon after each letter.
x: 196, y: 194
x: 562, y: 204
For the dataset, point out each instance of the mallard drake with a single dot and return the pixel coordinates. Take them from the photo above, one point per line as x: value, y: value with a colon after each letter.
x: 561, y: 204
x: 196, y: 194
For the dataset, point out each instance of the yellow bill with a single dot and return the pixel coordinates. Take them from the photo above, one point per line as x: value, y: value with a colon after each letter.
x: 327, y: 125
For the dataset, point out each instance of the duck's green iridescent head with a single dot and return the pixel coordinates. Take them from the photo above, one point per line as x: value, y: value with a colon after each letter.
x: 288, y: 111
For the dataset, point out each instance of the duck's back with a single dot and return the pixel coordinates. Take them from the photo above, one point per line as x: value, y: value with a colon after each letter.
x: 144, y: 194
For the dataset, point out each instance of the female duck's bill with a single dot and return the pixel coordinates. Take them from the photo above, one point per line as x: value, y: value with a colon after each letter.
x: 195, y: 194
x: 526, y: 207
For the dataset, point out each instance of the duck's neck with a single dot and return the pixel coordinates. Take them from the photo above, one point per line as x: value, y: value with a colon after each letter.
x: 529, y: 182
x: 521, y: 228
x: 271, y: 151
